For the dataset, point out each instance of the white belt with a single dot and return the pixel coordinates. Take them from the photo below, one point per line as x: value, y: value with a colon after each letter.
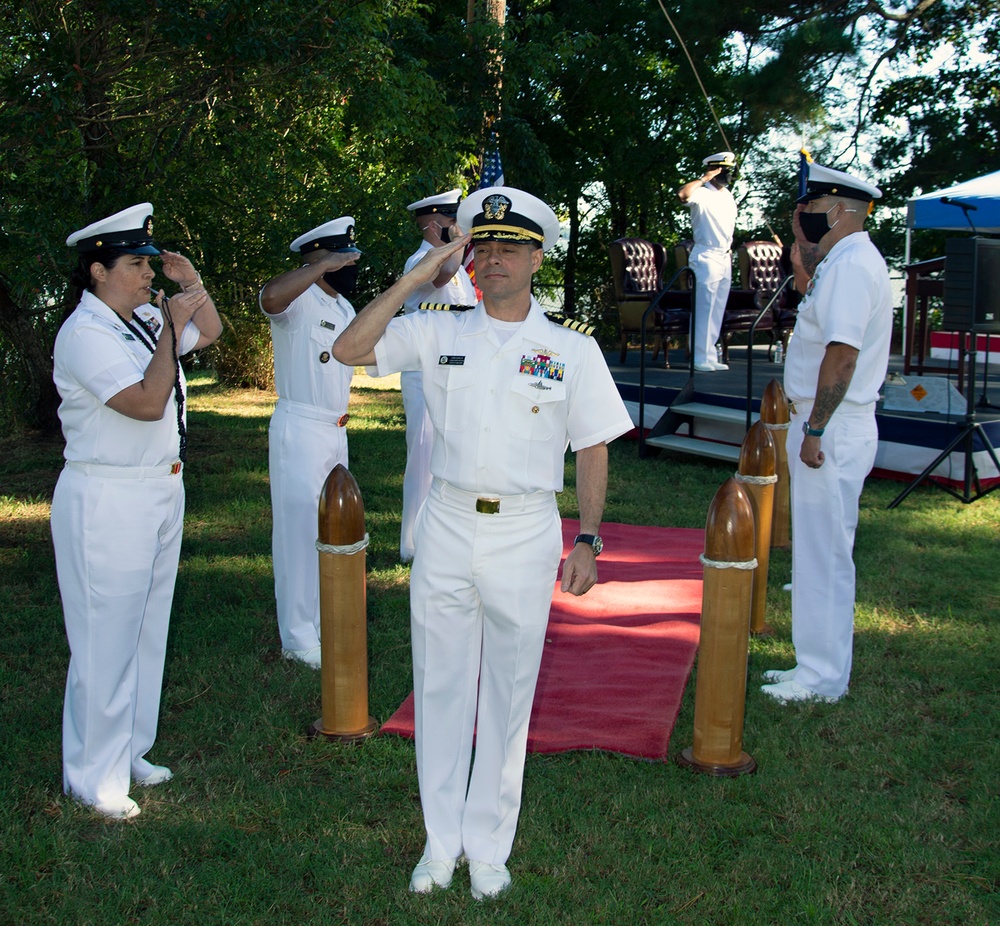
x: 486, y: 503
x: 844, y: 409
x: 301, y: 410
x: 125, y: 472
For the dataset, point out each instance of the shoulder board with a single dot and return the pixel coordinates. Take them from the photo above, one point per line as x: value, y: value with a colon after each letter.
x: 570, y: 323
x: 444, y: 307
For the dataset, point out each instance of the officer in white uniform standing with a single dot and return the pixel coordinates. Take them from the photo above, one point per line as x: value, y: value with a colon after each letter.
x: 507, y: 390
x: 713, y: 221
x: 435, y: 217
x: 307, y: 437
x: 835, y: 366
x: 118, y: 507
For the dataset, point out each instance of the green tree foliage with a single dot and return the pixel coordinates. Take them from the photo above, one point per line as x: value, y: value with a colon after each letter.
x: 247, y: 122
x: 244, y: 123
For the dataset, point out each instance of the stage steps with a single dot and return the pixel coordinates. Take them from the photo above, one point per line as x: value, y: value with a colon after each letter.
x: 714, y: 431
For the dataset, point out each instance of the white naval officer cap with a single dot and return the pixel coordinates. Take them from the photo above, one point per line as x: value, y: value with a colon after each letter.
x: 825, y: 181
x: 130, y: 230
x: 722, y: 159
x: 502, y: 213
x: 336, y: 235
x: 440, y: 203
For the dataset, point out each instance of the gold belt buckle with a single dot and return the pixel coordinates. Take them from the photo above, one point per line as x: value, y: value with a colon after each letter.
x: 488, y: 505
x: 175, y: 468
x: 342, y: 420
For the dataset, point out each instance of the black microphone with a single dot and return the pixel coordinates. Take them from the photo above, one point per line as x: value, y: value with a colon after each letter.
x: 959, y: 203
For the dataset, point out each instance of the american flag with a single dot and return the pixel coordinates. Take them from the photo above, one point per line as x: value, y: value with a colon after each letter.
x: 804, y: 161
x: 492, y: 175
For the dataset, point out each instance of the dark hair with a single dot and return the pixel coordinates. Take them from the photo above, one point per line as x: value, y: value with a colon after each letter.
x: 80, y: 279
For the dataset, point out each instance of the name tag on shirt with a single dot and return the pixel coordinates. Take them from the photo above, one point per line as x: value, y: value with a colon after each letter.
x: 451, y: 360
x: 325, y: 324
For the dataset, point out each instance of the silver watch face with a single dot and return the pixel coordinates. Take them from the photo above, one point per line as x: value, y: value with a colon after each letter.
x: 598, y: 545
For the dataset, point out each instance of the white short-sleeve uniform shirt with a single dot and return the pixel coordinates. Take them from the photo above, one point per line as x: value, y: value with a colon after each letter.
x: 305, y: 369
x: 96, y: 356
x: 504, y: 414
x: 849, y: 300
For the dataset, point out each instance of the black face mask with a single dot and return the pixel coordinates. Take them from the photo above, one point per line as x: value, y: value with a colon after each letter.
x: 446, y: 233
x: 343, y: 280
x: 815, y: 225
x: 722, y: 177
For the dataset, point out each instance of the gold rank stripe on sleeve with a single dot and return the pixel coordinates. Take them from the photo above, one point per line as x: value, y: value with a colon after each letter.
x: 570, y: 323
x: 444, y: 307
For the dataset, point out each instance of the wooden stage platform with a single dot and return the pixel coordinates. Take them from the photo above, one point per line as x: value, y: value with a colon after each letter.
x: 918, y: 416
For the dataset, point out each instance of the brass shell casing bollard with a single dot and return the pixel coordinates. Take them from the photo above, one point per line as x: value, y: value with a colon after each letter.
x: 756, y: 475
x: 774, y: 413
x: 343, y: 611
x: 720, y: 692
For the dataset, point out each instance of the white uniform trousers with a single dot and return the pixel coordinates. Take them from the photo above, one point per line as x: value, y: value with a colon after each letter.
x: 713, y: 270
x: 824, y: 521
x: 419, y: 440
x: 301, y: 453
x: 117, y: 543
x: 480, y: 592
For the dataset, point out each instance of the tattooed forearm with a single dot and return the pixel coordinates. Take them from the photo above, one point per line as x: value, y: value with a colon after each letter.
x: 827, y: 400
x: 835, y: 375
x: 810, y: 257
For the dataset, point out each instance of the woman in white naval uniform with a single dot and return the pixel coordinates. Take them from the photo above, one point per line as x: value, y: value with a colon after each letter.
x: 436, y: 216
x: 307, y: 436
x: 118, y: 507
x: 507, y: 390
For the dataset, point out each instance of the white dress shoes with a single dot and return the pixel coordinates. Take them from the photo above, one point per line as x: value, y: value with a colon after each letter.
x: 432, y: 873
x: 790, y: 690
x: 488, y: 880
x: 711, y: 366
x: 156, y: 775
x: 122, y: 809
x: 780, y: 675
x: 310, y: 657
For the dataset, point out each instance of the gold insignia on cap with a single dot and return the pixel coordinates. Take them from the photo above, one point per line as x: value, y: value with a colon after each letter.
x: 149, y: 226
x: 495, y: 207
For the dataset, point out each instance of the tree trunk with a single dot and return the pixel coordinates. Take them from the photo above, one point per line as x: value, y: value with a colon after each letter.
x: 34, y: 350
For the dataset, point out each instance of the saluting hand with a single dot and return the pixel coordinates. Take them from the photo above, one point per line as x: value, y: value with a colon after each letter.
x: 179, y: 269
x: 428, y: 267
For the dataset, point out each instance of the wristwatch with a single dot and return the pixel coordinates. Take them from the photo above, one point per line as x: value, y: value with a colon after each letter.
x: 593, y: 539
x: 810, y: 431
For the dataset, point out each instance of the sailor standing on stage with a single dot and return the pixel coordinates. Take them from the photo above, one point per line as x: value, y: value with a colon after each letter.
x: 507, y: 391
x: 713, y: 220
x: 435, y: 217
x: 118, y: 507
x: 307, y: 436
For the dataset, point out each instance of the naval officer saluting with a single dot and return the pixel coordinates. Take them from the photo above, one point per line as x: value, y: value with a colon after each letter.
x: 118, y: 507
x: 507, y: 391
x: 435, y: 217
x: 307, y: 437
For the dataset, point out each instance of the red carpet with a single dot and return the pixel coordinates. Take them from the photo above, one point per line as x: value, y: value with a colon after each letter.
x: 616, y: 659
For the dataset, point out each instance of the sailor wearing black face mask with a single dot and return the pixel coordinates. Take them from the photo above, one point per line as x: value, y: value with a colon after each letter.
x: 835, y: 366
x: 307, y: 436
x: 435, y: 217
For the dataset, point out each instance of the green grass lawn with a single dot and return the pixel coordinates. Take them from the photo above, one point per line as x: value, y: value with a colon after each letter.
x: 880, y: 809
